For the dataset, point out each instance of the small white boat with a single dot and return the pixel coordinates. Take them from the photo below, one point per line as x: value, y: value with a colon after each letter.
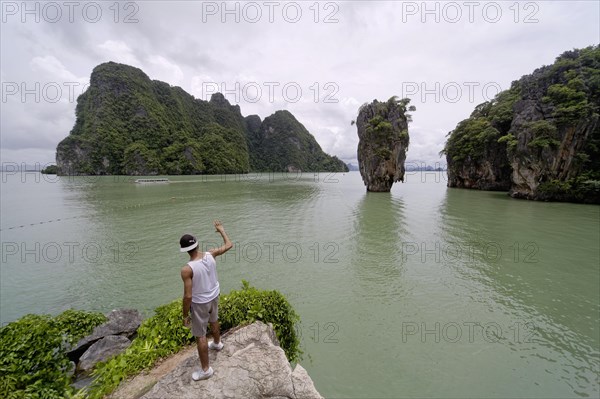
x: 144, y: 181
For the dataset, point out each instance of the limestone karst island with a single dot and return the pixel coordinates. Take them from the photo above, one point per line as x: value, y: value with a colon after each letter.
x: 132, y: 125
x: 540, y: 139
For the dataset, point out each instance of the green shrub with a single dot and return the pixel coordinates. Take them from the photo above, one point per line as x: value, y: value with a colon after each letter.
x: 510, y: 140
x: 543, y: 142
x: 571, y: 103
x: 50, y: 170
x: 33, y: 359
x: 578, y: 189
x: 545, y: 134
x: 471, y: 139
x: 554, y: 188
x: 249, y: 304
x: 76, y: 324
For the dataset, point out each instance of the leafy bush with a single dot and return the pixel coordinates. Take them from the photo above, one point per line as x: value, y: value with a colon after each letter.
x: 471, y: 139
x: 543, y: 142
x: 545, y: 134
x: 554, y: 188
x: 249, y: 304
x: 33, y: 359
x: 570, y: 103
x: 510, y: 140
x: 76, y: 324
x: 577, y: 189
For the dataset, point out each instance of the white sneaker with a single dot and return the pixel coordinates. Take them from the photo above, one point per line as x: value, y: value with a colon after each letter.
x: 202, y: 375
x: 212, y: 345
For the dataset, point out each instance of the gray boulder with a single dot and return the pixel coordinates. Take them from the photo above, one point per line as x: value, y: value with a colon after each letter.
x: 120, y: 322
x: 251, y: 365
x: 102, y: 350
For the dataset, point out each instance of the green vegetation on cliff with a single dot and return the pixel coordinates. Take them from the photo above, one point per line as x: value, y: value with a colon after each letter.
x: 33, y: 359
x: 486, y: 124
x: 540, y: 138
x: 50, y: 170
x: 477, y: 146
x: 129, y: 124
x: 380, y: 131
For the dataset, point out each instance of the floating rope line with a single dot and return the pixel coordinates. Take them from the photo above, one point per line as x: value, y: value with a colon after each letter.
x: 114, y: 209
x: 38, y: 223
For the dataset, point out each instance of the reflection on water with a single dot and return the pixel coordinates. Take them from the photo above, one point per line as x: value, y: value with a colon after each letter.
x: 379, y: 224
x: 522, y: 264
x: 424, y: 291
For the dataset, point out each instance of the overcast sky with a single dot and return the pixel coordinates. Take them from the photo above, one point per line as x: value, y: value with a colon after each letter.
x: 320, y: 61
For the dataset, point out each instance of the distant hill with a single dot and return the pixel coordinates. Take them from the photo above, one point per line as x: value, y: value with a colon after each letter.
x: 283, y: 143
x: 127, y: 123
x: 422, y: 167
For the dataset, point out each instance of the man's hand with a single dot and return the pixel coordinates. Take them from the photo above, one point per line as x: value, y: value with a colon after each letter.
x: 218, y: 226
x: 187, y: 321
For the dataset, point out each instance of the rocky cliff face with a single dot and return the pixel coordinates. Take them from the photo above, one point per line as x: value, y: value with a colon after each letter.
x: 557, y: 130
x: 475, y: 157
x: 383, y: 141
x: 489, y: 173
x: 129, y: 124
x: 540, y: 139
x: 251, y: 366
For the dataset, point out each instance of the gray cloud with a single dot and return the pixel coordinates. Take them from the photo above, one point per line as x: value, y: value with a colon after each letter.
x: 374, y: 51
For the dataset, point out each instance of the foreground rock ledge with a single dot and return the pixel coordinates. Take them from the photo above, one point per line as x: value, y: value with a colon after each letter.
x: 251, y: 365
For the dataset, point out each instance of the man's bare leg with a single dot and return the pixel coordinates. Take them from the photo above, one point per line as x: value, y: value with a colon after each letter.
x: 215, y: 331
x: 203, y: 352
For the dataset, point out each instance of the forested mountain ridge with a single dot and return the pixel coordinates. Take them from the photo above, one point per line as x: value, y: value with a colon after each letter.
x: 127, y: 123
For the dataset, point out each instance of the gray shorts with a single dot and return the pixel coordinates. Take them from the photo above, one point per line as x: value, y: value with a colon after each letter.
x: 202, y: 313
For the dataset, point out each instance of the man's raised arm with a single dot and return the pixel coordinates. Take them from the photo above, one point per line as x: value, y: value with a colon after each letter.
x: 227, y: 245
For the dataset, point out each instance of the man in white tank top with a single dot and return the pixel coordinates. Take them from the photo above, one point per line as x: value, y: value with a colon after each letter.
x: 201, y: 296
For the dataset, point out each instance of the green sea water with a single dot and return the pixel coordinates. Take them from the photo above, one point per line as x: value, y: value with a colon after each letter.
x: 422, y: 292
